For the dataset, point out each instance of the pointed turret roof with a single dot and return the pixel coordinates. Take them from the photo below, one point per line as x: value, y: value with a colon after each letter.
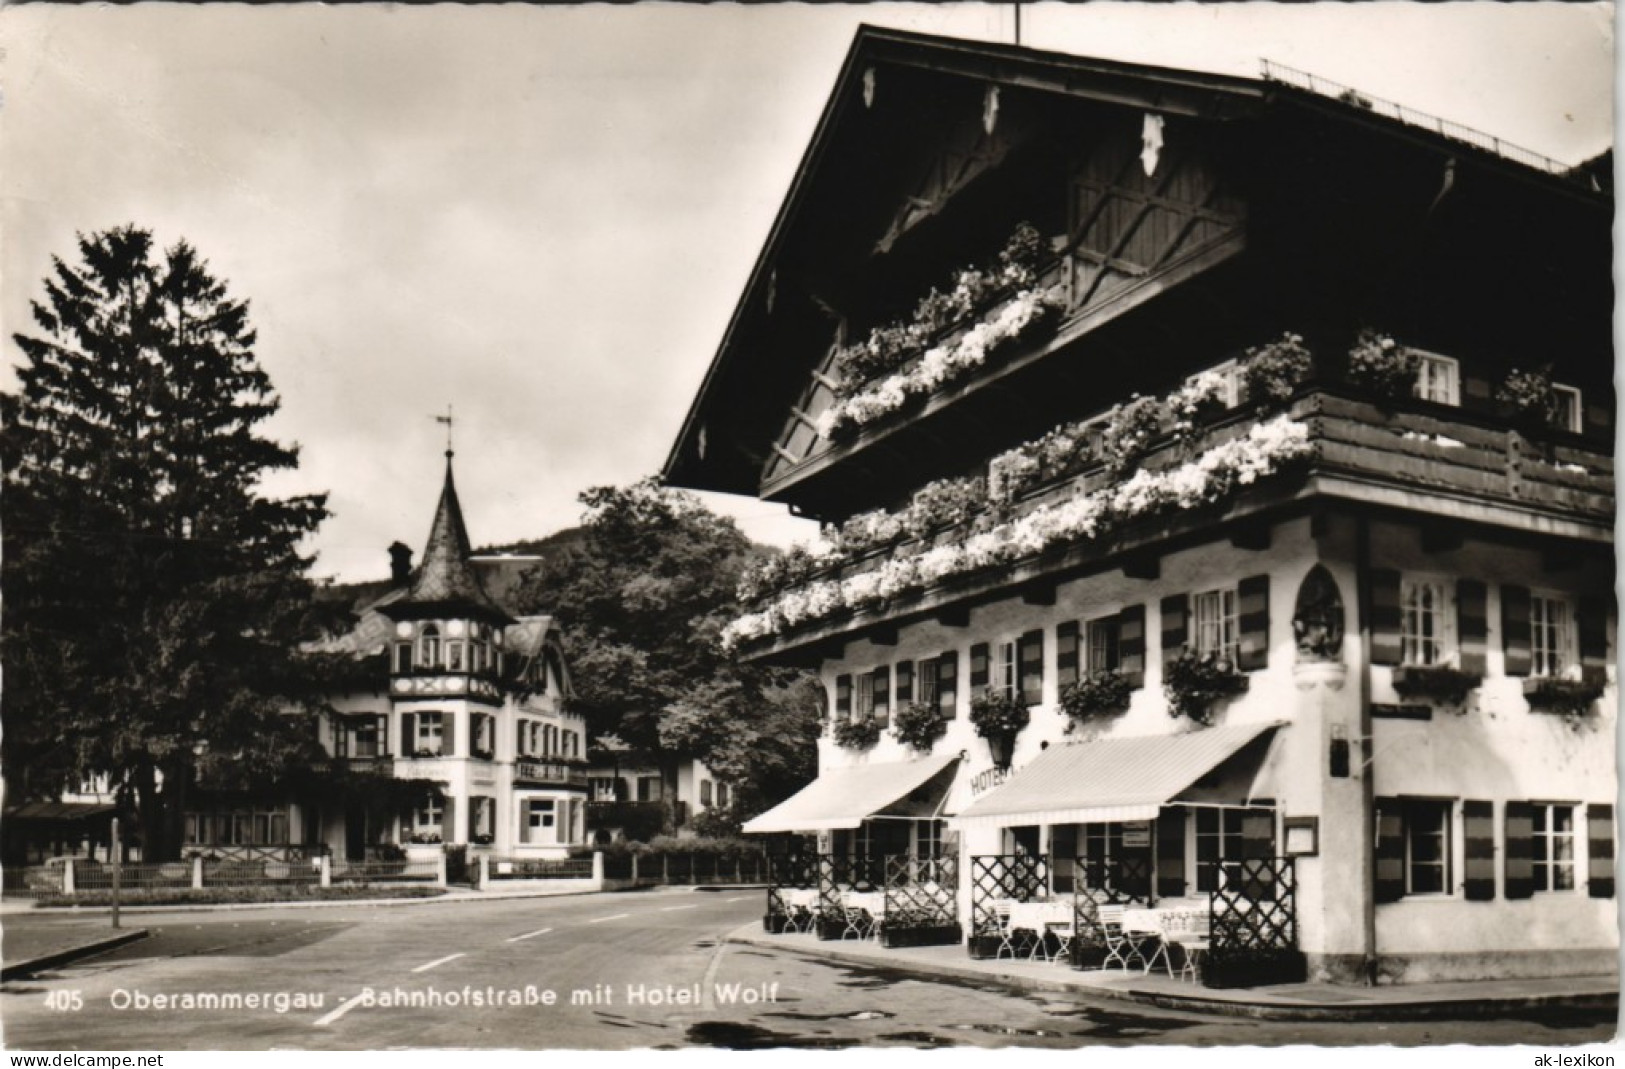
x: 446, y: 583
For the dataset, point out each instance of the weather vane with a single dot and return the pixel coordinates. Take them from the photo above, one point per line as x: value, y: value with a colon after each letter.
x: 446, y: 419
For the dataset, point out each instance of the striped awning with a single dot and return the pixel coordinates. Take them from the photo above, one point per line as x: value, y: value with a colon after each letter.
x: 1108, y: 779
x: 846, y: 797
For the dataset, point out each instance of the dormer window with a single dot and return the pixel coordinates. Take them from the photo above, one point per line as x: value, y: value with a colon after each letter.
x: 429, y: 647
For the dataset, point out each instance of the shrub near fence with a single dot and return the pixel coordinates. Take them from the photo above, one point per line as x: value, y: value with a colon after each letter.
x: 539, y: 869
x: 671, y: 860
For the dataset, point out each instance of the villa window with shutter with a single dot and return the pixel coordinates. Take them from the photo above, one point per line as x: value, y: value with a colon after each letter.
x: 1551, y: 635
x: 1426, y: 633
x: 1104, y: 648
x: 1438, y: 379
x: 1552, y: 847
x: 1214, y: 622
x: 1004, y: 670
x: 1413, y: 848
x: 431, y: 734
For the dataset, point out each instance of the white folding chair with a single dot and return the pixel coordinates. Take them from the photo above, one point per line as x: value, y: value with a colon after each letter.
x: 1001, y: 914
x: 1193, y: 943
x: 1119, y: 947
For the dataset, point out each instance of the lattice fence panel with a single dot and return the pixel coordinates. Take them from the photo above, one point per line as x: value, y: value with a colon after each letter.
x: 1254, y: 937
x: 921, y: 893
x: 788, y: 871
x: 1022, y: 877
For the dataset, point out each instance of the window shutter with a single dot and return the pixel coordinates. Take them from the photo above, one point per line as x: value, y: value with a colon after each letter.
x: 1478, y: 842
x: 409, y: 734
x: 1591, y: 625
x: 978, y: 669
x: 1520, y: 848
x: 341, y: 736
x: 448, y: 821
x: 1030, y: 661
x: 1253, y: 622
x: 519, y: 738
x: 1389, y: 869
x: 1171, y: 853
x: 905, y: 683
x: 843, y: 697
x: 1066, y: 655
x: 1175, y: 629
x: 948, y: 683
x: 1131, y: 644
x: 1472, y: 627
x: 880, y: 694
x: 524, y: 821
x: 448, y: 733
x: 1600, y: 850
x: 1515, y: 630
x: 1386, y: 644
x: 383, y: 735
x: 1258, y: 833
x: 473, y: 818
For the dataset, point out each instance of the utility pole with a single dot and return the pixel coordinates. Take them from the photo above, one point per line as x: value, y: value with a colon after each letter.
x: 117, y: 859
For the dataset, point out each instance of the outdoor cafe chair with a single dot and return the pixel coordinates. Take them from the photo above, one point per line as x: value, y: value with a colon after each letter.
x: 1121, y: 948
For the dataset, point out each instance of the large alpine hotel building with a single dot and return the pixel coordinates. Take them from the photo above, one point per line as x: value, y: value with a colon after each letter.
x: 1213, y: 470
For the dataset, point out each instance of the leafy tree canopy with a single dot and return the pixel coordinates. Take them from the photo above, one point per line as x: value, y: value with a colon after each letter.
x: 642, y: 598
x: 155, y: 599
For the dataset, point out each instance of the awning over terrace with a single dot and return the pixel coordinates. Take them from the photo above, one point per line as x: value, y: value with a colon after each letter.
x: 1109, y: 779
x: 846, y: 797
x: 59, y: 811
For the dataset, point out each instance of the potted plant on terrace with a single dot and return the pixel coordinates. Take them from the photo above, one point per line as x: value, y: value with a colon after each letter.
x: 1095, y: 696
x: 1273, y: 371
x: 1570, y: 698
x: 999, y: 717
x: 1528, y: 396
x: 1195, y: 682
x: 857, y: 734
x: 919, y: 725
x: 1383, y: 366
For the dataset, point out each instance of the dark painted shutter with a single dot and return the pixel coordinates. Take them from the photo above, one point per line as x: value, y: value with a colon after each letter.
x: 341, y: 737
x: 881, y: 691
x: 409, y: 734
x: 1253, y: 621
x: 473, y: 818
x: 1515, y: 629
x: 843, y: 697
x: 1473, y: 626
x: 383, y: 735
x: 448, y: 821
x: 448, y: 734
x: 1131, y: 644
x: 1520, y: 849
x: 978, y: 669
x: 1600, y: 850
x: 1389, y: 869
x: 1386, y: 644
x: 905, y: 683
x: 1592, y: 627
x: 1066, y: 655
x: 1175, y: 629
x: 1171, y: 853
x: 1478, y: 842
x: 519, y: 738
x: 1030, y: 662
x: 948, y: 683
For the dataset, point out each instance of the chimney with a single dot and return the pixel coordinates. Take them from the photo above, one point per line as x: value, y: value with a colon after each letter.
x: 400, y: 563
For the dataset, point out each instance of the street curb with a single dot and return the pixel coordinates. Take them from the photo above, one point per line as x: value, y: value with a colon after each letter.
x: 21, y: 969
x: 1437, y: 1009
x: 319, y: 903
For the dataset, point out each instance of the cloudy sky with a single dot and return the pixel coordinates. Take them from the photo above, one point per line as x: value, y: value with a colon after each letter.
x: 543, y: 216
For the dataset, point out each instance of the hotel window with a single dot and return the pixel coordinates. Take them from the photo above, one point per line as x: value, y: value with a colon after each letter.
x: 928, y: 839
x: 1553, y: 847
x: 364, y: 738
x: 540, y: 820
x: 1101, y: 843
x: 1218, y: 839
x: 1214, y: 615
x: 1004, y: 670
x: 1551, y: 634
x: 1566, y: 410
x: 429, y: 816
x: 1102, y: 638
x: 925, y: 681
x: 1427, y: 847
x: 431, y: 733
x: 429, y: 647
x: 1438, y: 379
x: 1426, y: 632
x: 866, y: 696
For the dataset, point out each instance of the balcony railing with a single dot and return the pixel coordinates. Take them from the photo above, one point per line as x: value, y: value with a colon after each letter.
x: 544, y: 773
x: 1468, y: 464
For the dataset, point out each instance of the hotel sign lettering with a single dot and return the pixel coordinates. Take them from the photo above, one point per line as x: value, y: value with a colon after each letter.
x: 987, y: 779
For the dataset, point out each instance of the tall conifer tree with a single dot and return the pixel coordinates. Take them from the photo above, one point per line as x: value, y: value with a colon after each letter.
x: 155, y: 599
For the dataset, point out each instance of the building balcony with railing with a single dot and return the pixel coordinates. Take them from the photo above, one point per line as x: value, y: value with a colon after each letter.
x: 1223, y: 456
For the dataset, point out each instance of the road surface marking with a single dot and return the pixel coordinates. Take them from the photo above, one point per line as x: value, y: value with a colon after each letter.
x: 668, y: 909
x: 439, y: 961
x: 323, y: 1022
x: 528, y: 935
x: 600, y: 920
x: 742, y: 898
x: 708, y: 986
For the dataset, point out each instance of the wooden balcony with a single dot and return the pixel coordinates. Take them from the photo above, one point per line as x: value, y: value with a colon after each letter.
x: 542, y: 772
x: 1442, y: 464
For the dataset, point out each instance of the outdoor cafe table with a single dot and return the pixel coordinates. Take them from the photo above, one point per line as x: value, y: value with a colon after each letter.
x: 871, y: 902
x: 1035, y: 917
x: 800, y: 898
x: 1180, y: 914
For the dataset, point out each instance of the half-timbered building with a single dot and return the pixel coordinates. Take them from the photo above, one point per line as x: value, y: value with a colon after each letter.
x: 1218, y: 501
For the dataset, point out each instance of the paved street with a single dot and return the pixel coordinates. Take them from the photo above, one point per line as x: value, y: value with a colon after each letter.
x: 489, y: 968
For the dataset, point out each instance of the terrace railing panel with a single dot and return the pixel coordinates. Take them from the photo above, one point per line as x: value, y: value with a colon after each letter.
x: 1254, y: 932
x: 1000, y: 877
x: 922, y: 901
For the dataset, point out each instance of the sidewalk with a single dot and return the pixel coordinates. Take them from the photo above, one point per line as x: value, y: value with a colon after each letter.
x: 30, y: 948
x: 1283, y: 1002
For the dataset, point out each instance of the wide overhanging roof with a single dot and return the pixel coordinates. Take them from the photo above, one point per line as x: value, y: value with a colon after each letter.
x: 846, y: 797
x: 60, y: 810
x: 1109, y: 779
